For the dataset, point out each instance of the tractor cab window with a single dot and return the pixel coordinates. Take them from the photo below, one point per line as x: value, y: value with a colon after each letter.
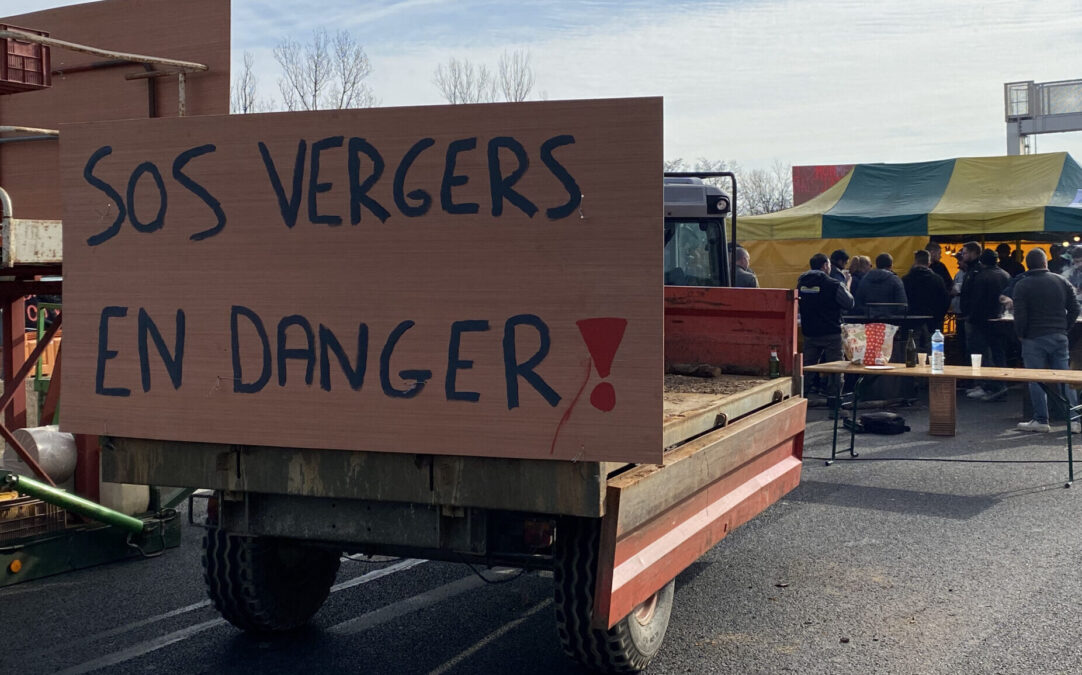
x: 694, y: 253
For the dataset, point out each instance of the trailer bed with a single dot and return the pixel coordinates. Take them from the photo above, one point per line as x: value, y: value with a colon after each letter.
x: 695, y: 405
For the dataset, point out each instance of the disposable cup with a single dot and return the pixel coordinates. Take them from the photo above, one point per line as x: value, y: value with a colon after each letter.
x: 975, y: 359
x: 922, y: 358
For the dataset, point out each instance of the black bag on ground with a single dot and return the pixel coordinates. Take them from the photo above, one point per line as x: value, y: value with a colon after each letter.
x: 883, y: 423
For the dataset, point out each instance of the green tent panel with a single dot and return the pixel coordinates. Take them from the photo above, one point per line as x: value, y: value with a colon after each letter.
x: 888, y: 200
x: 964, y: 196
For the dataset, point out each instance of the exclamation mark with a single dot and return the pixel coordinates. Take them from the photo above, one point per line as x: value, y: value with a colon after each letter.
x: 602, y: 337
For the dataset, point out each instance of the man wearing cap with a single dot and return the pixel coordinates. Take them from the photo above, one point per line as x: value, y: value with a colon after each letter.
x: 980, y: 303
x: 1045, y: 307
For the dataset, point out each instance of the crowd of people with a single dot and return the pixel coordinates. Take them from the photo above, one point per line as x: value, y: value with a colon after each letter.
x: 1043, y: 296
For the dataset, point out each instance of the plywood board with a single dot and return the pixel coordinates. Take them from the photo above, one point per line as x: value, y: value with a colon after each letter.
x: 193, y: 30
x: 476, y: 280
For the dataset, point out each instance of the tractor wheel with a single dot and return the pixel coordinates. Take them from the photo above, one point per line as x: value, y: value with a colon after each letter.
x: 627, y: 647
x: 266, y: 585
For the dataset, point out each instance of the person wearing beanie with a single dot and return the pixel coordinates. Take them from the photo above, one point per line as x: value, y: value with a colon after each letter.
x: 984, y: 283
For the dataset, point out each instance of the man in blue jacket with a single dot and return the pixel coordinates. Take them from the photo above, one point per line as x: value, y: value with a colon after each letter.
x: 1045, y: 307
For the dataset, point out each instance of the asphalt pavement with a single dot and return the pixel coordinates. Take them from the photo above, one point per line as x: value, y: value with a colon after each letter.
x: 923, y: 555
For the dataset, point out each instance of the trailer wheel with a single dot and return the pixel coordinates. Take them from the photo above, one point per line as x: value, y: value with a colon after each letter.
x: 266, y: 585
x: 631, y: 644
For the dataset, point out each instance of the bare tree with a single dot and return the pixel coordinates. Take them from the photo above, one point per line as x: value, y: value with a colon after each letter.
x: 460, y: 81
x: 758, y: 190
x: 244, y: 97
x: 326, y: 73
x: 766, y: 190
x: 516, y: 75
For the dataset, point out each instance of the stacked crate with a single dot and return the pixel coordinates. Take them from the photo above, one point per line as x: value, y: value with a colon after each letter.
x: 25, y: 66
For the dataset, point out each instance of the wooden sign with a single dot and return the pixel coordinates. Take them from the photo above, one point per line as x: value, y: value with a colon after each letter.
x: 477, y: 280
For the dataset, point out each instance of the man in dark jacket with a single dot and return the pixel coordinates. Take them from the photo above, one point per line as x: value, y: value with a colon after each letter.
x: 1045, y: 307
x: 1006, y: 262
x: 1056, y: 262
x: 926, y: 293
x: 879, y: 286
x: 822, y: 300
x: 745, y: 278
x: 838, y: 260
x: 937, y: 266
x: 980, y: 303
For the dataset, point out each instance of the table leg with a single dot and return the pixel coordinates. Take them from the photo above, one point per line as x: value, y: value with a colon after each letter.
x: 1059, y: 394
x: 942, y: 406
x: 837, y: 414
x: 853, y: 426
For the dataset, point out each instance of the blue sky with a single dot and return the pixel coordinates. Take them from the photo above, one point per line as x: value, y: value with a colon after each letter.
x: 751, y: 81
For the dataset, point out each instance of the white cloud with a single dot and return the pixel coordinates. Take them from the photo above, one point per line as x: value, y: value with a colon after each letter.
x: 803, y: 81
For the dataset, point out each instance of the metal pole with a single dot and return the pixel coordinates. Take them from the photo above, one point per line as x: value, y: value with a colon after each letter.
x: 70, y: 502
x: 107, y: 53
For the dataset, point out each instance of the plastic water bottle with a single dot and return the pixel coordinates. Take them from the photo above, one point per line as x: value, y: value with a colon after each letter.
x: 937, y: 352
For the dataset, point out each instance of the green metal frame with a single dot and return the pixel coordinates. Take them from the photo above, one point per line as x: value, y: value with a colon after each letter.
x: 75, y: 548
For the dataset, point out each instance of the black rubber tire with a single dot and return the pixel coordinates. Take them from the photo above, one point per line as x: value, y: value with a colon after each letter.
x: 265, y: 585
x: 627, y: 647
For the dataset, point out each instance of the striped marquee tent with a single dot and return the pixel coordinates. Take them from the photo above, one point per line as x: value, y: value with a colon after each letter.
x: 896, y: 207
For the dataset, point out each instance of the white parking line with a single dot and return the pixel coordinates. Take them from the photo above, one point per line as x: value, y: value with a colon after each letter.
x: 69, y: 644
x: 494, y: 635
x: 399, y: 566
x: 141, y: 648
x: 411, y: 604
x: 154, y: 644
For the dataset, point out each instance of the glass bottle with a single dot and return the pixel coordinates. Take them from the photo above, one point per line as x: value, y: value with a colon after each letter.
x: 910, y: 351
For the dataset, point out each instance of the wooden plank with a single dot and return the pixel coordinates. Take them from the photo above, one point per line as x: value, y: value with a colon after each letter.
x: 649, y: 490
x: 701, y: 413
x: 495, y: 310
x: 955, y: 372
x: 193, y: 30
x: 942, y: 406
x: 559, y: 488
